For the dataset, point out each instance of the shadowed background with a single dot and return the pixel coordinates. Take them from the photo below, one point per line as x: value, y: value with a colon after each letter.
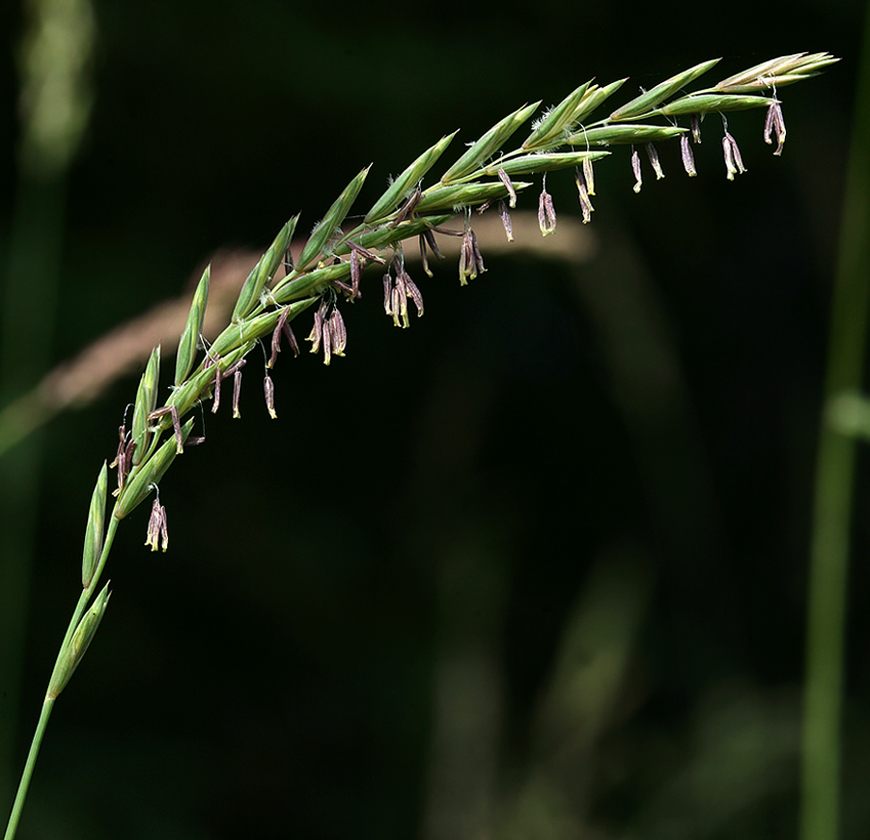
x: 534, y: 567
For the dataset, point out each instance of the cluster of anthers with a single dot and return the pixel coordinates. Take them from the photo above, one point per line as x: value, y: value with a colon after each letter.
x: 774, y: 131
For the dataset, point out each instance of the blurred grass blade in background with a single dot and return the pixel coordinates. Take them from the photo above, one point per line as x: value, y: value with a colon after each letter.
x: 834, y: 499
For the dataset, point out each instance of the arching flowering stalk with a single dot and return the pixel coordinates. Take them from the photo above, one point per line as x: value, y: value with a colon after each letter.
x: 332, y: 262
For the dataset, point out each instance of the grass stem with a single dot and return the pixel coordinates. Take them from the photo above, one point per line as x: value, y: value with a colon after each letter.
x: 829, y: 545
x: 48, y: 703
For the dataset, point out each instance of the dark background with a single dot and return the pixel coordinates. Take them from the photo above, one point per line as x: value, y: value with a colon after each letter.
x: 535, y: 567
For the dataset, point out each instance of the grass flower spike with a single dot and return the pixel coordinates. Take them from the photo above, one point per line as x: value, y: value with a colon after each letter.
x: 336, y: 258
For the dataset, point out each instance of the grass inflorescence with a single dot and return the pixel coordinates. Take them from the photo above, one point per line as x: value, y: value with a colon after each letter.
x: 330, y: 267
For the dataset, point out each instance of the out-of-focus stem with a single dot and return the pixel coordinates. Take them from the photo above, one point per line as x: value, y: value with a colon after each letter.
x: 829, y: 548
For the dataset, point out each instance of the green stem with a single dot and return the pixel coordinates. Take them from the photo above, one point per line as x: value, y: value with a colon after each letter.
x: 829, y: 547
x: 24, y: 784
x: 48, y: 703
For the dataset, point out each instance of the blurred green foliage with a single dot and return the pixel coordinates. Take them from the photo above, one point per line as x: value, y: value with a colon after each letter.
x: 532, y: 568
